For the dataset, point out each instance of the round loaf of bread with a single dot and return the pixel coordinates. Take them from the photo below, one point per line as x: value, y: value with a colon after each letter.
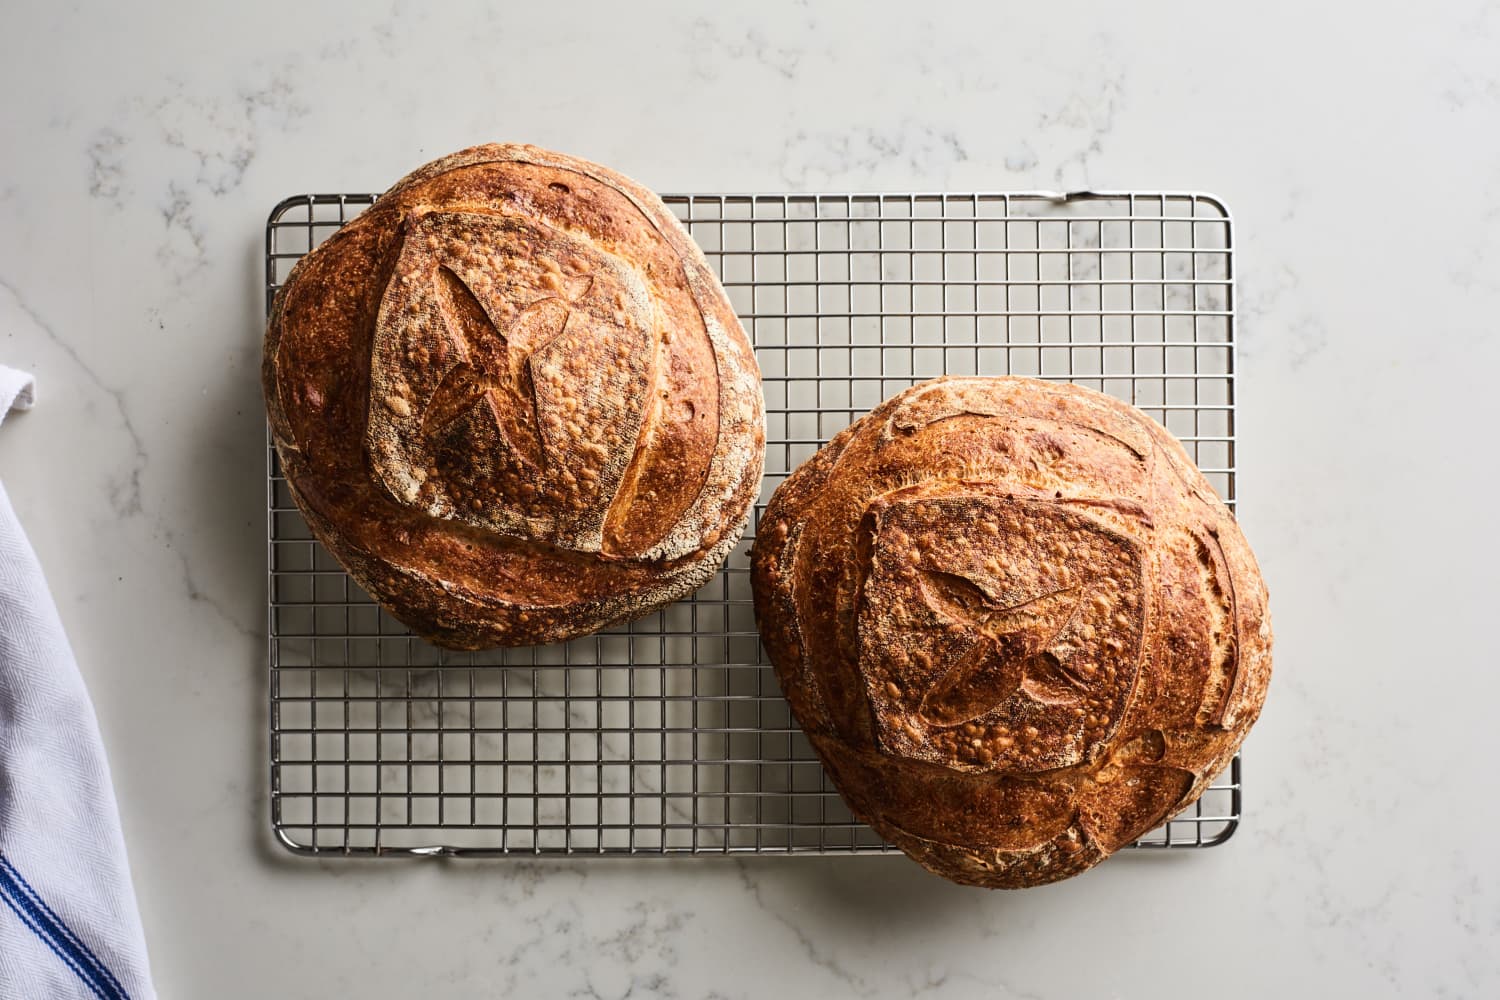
x: 1015, y: 622
x: 512, y: 399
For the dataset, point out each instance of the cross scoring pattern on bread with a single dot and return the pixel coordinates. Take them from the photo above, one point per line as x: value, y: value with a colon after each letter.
x: 498, y: 364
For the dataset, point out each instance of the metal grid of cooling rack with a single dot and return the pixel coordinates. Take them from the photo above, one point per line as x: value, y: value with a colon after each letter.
x: 669, y: 736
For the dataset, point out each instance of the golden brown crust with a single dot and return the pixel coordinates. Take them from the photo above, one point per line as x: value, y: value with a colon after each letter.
x: 1015, y: 622
x: 513, y: 400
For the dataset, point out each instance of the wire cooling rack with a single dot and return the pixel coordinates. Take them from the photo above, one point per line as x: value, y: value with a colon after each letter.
x: 670, y: 735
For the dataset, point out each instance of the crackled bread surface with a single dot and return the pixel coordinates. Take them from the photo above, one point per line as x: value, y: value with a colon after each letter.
x: 1015, y: 622
x: 514, y: 402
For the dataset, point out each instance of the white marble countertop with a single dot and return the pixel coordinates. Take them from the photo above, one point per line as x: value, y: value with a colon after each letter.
x: 144, y: 147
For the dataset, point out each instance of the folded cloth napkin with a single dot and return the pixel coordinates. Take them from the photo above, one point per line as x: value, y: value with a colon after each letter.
x: 69, y: 926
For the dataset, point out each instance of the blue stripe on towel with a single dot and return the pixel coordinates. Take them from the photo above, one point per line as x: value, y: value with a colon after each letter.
x: 93, y: 988
x: 24, y: 901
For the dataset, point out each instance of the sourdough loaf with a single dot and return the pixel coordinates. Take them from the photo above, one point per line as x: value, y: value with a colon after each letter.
x: 514, y: 402
x: 1016, y: 623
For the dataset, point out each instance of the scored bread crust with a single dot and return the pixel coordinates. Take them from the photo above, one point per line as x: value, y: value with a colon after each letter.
x: 514, y: 402
x: 1015, y: 622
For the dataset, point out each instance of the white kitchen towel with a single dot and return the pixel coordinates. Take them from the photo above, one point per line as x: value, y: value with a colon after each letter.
x: 69, y: 926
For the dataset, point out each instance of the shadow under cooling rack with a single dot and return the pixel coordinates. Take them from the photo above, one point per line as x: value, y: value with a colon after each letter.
x: 670, y: 736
